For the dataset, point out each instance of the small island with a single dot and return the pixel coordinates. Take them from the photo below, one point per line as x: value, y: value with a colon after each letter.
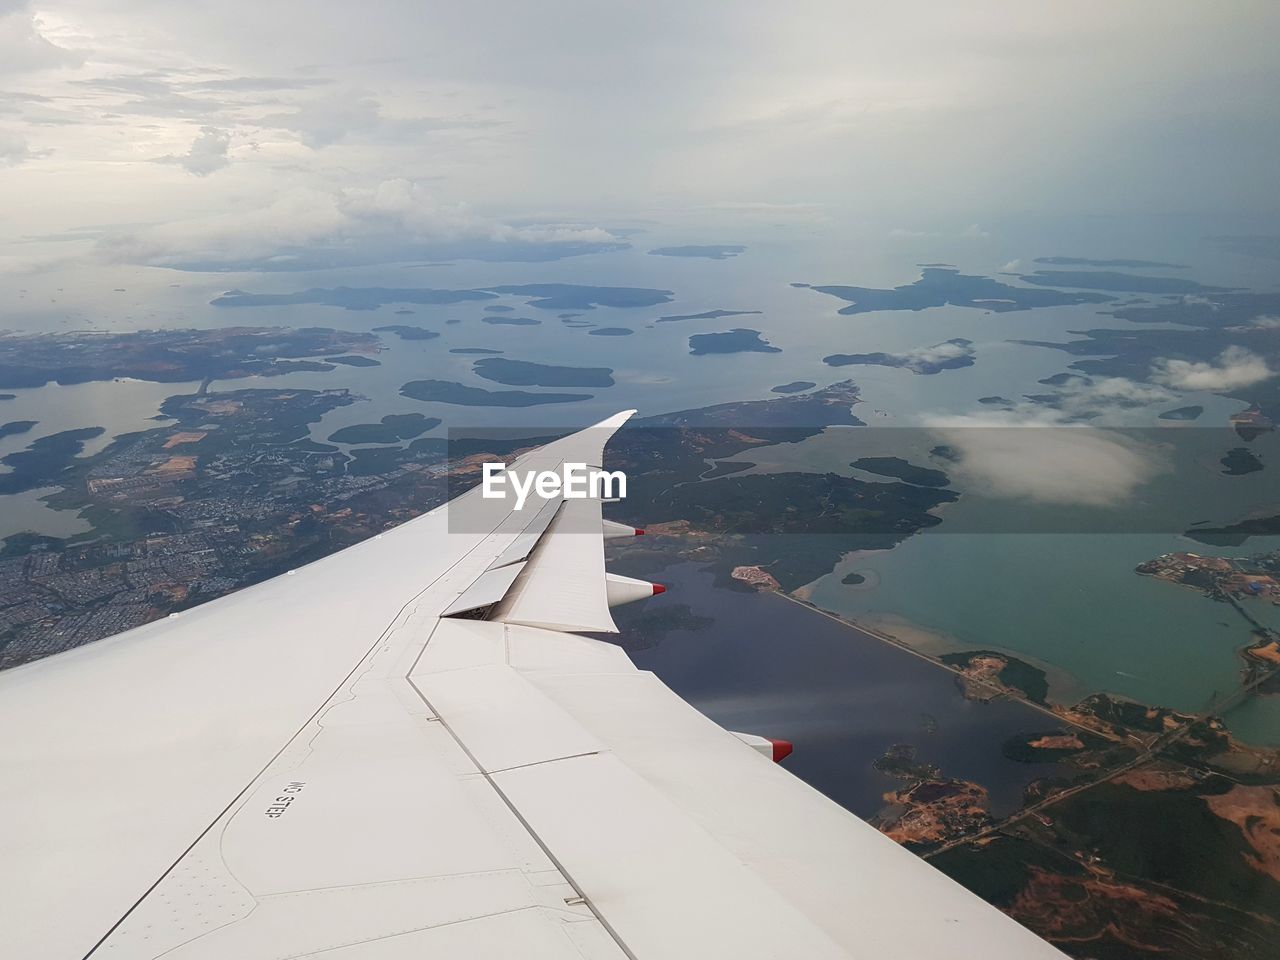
x: 739, y: 340
x: 707, y: 315
x: 902, y: 470
x: 525, y: 373
x: 406, y: 332
x: 14, y: 427
x: 949, y: 355
x: 394, y: 426
x: 448, y: 391
x: 707, y: 251
x: 795, y: 386
x: 1240, y: 461
x: 573, y: 296
x: 173, y: 356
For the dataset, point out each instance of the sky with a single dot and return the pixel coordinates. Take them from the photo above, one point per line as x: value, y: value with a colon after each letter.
x: 286, y: 135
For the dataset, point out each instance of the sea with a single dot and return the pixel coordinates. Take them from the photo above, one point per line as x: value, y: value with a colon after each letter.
x: 1037, y: 580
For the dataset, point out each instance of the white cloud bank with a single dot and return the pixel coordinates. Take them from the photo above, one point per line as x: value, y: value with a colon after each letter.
x: 24, y: 47
x: 395, y: 221
x: 1035, y: 457
x: 208, y: 153
x: 1235, y: 367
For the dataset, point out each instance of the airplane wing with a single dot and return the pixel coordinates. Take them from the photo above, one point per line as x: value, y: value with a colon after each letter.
x: 407, y: 750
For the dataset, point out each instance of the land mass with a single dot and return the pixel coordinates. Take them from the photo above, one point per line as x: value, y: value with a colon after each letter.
x: 938, y: 287
x: 739, y: 340
x: 172, y: 356
x: 707, y: 251
x: 449, y: 391
x: 525, y: 373
x: 902, y: 470
x: 393, y: 427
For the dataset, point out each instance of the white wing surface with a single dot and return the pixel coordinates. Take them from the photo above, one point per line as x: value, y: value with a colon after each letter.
x: 404, y: 750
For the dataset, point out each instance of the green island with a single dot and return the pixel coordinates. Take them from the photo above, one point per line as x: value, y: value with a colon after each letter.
x: 525, y: 373
x: 706, y: 315
x: 938, y: 287
x: 14, y: 427
x: 172, y: 356
x: 738, y: 340
x: 951, y: 354
x: 407, y: 332
x: 393, y: 427
x: 1239, y: 461
x: 449, y: 391
x: 902, y: 470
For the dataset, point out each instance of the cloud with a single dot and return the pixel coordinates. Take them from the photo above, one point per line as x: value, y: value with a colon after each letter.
x: 23, y: 47
x: 1034, y: 456
x: 1265, y: 323
x: 1235, y: 367
x: 971, y: 232
x: 13, y: 148
x: 395, y: 221
x: 1085, y: 394
x: 923, y: 359
x: 330, y: 119
x: 773, y: 212
x: 208, y: 153
x: 1013, y: 266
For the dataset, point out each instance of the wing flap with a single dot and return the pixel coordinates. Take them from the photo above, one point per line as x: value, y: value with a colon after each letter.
x: 563, y: 585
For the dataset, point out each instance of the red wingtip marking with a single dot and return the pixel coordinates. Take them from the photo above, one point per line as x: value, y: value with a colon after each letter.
x: 658, y: 588
x: 639, y: 532
x: 781, y: 749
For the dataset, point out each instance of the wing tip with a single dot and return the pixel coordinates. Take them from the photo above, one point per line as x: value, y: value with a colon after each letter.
x: 614, y: 422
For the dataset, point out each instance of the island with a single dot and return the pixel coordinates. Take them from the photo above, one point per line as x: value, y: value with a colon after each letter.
x: 610, y: 332
x: 406, y: 332
x: 506, y: 321
x: 14, y: 427
x: 902, y: 470
x: 1240, y: 461
x: 351, y: 298
x: 449, y: 391
x: 738, y: 340
x: 949, y: 355
x: 1115, y: 282
x: 1192, y: 412
x: 393, y: 427
x: 172, y: 356
x: 795, y: 386
x: 353, y: 361
x: 1130, y: 264
x: 938, y: 287
x: 525, y: 373
x: 707, y: 315
x: 707, y: 251
x: 573, y: 296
